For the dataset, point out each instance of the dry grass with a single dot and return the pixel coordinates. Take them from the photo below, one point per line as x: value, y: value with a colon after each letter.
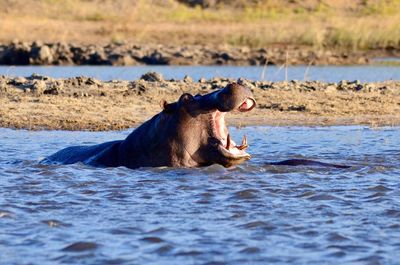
x: 336, y: 24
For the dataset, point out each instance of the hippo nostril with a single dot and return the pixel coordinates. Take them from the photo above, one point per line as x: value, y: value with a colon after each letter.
x: 247, y: 105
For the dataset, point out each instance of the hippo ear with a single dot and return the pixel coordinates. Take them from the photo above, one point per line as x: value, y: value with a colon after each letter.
x: 186, y: 98
x: 163, y: 103
x: 168, y: 108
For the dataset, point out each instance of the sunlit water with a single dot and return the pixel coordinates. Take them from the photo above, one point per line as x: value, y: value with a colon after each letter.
x: 254, y: 213
x: 371, y: 73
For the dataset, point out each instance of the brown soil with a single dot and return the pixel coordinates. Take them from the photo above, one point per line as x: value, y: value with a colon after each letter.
x: 81, y: 103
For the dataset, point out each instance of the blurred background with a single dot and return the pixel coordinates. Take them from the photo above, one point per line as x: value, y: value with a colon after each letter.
x: 334, y: 24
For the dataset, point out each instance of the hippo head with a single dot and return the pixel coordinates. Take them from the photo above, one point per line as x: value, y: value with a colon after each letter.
x: 195, y: 132
x: 188, y: 133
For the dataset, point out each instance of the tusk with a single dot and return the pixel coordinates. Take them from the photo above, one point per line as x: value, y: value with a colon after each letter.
x: 247, y: 105
x: 228, y: 142
x: 244, y: 143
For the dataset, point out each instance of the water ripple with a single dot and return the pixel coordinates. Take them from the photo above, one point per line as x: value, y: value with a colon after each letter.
x: 81, y: 246
x: 251, y: 214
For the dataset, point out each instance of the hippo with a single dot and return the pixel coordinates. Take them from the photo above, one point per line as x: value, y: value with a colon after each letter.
x: 306, y: 162
x: 191, y: 132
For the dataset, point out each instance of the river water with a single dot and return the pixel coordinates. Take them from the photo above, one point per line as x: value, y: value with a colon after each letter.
x: 371, y: 73
x: 253, y: 213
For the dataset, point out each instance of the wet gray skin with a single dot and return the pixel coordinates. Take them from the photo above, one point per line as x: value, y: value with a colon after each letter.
x: 188, y: 133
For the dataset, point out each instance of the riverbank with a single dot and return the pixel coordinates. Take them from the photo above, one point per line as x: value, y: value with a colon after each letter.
x: 82, y: 103
x: 60, y: 53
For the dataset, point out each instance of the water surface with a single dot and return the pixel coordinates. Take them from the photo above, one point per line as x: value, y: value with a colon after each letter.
x: 253, y: 213
x: 372, y: 73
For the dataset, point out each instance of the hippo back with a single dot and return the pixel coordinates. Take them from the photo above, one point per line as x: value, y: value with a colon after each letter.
x: 84, y: 154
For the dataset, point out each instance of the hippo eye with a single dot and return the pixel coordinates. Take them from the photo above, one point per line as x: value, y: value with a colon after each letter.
x: 186, y: 98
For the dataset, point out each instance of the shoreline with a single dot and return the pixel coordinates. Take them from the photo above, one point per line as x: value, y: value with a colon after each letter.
x: 84, y: 103
x: 375, y: 122
x: 63, y: 53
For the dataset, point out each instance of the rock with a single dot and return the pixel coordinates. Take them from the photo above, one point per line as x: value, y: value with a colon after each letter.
x: 297, y: 108
x: 370, y: 87
x: 202, y: 3
x: 40, y: 54
x: 342, y: 85
x: 273, y: 106
x: 91, y: 81
x: 24, y: 53
x: 54, y: 88
x: 45, y: 54
x: 152, y: 77
x: 139, y: 87
x: 62, y: 53
x: 17, y: 53
x: 120, y: 59
x: 330, y: 89
x: 187, y: 79
x: 17, y: 81
x: 35, y: 76
x: 156, y: 57
x: 246, y: 83
x: 38, y: 87
x: 3, y: 86
x: 358, y: 87
x: 97, y: 58
x: 225, y: 56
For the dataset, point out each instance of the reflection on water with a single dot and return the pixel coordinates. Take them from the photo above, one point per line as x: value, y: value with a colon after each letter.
x: 271, y: 73
x: 253, y: 213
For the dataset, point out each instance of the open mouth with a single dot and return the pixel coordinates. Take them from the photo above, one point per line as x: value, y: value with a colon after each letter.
x: 227, y: 145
